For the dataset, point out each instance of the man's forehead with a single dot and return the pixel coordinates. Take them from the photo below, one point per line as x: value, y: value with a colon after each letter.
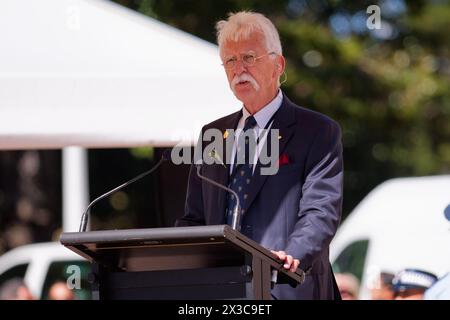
x: 231, y: 47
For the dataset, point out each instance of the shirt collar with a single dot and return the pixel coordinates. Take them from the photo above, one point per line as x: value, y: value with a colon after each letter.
x: 263, y: 116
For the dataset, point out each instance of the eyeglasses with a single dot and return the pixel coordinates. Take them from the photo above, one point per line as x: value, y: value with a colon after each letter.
x: 248, y: 59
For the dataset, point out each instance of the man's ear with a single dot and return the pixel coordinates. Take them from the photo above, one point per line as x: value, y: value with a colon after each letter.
x: 281, y: 64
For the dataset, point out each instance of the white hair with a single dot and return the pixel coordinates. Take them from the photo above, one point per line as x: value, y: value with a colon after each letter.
x: 241, y: 25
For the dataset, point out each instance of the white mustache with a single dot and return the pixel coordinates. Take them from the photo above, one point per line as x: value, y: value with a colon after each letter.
x: 244, y: 77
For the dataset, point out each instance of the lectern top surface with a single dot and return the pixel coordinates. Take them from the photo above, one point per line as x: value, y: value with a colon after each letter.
x: 123, y: 247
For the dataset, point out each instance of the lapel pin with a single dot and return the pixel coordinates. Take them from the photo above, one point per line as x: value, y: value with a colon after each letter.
x: 216, y: 156
x: 279, y: 137
x: 225, y: 134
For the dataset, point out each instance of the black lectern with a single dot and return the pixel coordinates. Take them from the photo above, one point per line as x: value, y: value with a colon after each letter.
x: 206, y: 262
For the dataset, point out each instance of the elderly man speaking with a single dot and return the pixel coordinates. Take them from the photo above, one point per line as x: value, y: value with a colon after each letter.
x: 296, y: 211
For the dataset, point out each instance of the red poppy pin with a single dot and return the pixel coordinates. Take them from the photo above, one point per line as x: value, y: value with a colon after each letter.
x: 284, y: 159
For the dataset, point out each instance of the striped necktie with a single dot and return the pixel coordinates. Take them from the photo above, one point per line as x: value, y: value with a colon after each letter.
x: 242, y: 174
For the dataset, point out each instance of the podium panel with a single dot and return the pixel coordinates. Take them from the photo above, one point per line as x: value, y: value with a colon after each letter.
x: 205, y: 262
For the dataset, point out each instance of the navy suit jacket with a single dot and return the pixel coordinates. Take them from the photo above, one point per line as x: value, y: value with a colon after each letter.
x: 296, y: 210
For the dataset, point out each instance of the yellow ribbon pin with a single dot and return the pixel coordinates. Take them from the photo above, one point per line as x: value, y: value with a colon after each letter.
x: 225, y: 134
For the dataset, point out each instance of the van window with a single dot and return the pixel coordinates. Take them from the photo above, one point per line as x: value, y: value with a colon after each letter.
x: 62, y: 270
x: 352, y: 259
x: 14, y: 272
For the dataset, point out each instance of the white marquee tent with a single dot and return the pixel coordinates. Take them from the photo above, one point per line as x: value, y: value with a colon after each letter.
x: 90, y: 73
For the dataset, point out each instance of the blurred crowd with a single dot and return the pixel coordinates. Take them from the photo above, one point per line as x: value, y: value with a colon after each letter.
x: 16, y: 289
x: 407, y: 284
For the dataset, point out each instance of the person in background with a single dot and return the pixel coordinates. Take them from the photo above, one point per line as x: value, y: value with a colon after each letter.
x: 15, y: 289
x: 411, y: 284
x: 348, y: 286
x: 60, y: 291
x: 382, y: 287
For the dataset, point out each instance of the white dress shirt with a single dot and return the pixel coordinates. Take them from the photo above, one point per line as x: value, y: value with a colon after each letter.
x: 262, y: 117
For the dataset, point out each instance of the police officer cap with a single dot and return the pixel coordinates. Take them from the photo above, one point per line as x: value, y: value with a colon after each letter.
x: 413, y: 279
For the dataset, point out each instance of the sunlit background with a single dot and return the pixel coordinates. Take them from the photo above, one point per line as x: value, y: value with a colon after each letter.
x: 389, y: 89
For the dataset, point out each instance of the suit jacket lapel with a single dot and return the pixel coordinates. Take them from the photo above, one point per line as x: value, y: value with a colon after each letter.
x: 223, y: 171
x: 283, y: 121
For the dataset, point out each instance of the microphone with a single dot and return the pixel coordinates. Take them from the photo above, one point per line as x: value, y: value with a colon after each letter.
x: 84, y: 219
x: 236, y: 220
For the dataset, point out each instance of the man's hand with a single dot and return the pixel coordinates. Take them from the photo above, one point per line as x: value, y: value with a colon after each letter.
x: 290, y: 263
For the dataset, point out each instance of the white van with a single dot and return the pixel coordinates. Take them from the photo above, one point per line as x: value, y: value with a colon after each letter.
x: 41, y: 265
x: 400, y: 224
